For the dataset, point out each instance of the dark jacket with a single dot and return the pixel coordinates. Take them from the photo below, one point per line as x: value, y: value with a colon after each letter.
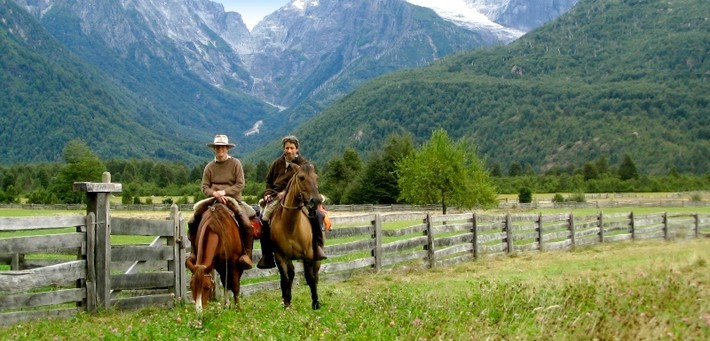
x: 279, y: 174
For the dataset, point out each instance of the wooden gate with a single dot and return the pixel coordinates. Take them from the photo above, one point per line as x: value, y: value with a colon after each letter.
x: 61, y: 265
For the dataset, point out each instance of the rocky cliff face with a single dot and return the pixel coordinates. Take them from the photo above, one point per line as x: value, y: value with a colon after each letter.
x: 309, y: 46
x: 191, y: 36
x: 308, y: 54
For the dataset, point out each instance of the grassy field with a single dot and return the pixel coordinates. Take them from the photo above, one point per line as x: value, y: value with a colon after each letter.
x: 627, y: 291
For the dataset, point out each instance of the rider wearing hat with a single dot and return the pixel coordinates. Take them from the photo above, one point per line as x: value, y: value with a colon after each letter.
x: 223, y: 178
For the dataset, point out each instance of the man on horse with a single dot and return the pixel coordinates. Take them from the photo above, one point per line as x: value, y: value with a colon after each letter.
x: 222, y: 179
x: 277, y: 179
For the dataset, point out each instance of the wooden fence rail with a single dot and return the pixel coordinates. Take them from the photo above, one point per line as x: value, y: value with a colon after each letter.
x: 61, y: 265
x: 67, y: 264
x: 24, y: 288
x: 365, y: 242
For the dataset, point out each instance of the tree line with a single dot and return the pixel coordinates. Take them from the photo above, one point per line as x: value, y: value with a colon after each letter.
x: 440, y: 171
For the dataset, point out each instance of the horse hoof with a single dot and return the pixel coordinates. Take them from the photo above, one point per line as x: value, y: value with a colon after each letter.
x: 316, y: 305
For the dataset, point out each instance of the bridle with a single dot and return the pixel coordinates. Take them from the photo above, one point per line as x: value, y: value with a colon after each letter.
x: 299, y: 197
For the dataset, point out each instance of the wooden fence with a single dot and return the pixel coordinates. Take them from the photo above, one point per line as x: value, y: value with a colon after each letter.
x: 381, y: 240
x: 593, y: 200
x: 81, y: 267
x: 67, y: 264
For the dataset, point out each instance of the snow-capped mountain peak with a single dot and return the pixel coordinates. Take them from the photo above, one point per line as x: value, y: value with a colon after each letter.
x: 303, y: 4
x: 464, y: 13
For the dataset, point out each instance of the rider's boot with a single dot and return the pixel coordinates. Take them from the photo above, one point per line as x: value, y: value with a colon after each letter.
x: 267, y: 254
x: 317, y: 231
x: 248, y: 238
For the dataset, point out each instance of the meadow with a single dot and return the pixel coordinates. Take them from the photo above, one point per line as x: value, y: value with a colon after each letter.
x: 628, y: 290
x: 625, y: 290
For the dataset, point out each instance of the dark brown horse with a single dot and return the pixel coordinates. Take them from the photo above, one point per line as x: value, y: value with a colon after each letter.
x: 291, y: 232
x: 216, y: 244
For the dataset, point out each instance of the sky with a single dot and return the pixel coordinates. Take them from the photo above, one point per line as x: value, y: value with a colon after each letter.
x: 252, y: 11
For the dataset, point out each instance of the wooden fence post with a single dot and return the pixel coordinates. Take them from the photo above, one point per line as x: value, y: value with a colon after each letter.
x: 177, y: 265
x: 696, y: 225
x: 91, y: 299
x: 377, y: 252
x: 573, y: 233
x: 97, y: 195
x: 16, y: 261
x: 474, y: 230
x: 429, y: 241
x: 666, y: 235
x: 508, y: 233
x: 539, y: 233
x: 601, y: 227
x: 632, y: 226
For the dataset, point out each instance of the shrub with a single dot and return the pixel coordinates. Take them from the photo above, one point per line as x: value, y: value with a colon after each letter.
x: 525, y: 195
x: 577, y: 197
x: 558, y: 198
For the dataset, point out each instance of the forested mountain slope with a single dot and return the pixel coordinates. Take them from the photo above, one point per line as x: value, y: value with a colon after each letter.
x: 48, y: 96
x: 609, y: 78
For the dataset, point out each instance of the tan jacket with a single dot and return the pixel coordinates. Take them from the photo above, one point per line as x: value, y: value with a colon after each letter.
x: 227, y: 175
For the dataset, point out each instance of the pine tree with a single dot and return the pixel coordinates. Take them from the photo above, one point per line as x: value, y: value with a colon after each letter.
x: 627, y: 169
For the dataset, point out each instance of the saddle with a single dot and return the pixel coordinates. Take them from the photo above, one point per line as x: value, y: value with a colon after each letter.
x: 233, y: 204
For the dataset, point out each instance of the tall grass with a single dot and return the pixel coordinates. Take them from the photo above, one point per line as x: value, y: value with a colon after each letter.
x: 634, y: 290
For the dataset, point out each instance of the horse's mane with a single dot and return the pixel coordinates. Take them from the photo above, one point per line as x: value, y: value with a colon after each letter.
x: 221, y: 221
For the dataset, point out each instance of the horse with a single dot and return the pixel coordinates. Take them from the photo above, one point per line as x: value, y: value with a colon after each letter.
x: 216, y: 244
x: 291, y: 234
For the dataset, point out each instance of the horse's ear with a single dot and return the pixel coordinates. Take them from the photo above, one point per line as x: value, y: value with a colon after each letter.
x: 296, y: 167
x: 307, y: 167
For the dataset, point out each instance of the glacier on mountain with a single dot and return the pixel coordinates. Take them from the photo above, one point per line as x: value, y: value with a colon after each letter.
x: 467, y: 13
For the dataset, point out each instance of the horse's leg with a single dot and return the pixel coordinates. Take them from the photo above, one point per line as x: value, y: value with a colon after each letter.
x: 310, y: 270
x: 286, y: 273
x: 222, y: 270
x: 235, y: 276
x: 291, y: 276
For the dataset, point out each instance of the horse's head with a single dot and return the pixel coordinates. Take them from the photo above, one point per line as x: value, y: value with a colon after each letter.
x: 304, y: 187
x: 202, y: 286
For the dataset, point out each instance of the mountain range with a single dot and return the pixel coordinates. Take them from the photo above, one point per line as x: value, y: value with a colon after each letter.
x: 608, y: 79
x: 147, y: 78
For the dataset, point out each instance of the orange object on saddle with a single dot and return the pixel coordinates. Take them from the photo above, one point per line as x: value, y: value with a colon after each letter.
x: 256, y: 225
x: 326, y: 219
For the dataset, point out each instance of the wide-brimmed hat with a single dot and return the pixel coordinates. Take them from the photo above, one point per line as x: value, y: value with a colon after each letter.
x: 221, y: 140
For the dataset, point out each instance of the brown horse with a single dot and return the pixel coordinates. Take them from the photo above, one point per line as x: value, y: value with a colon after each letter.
x: 291, y: 232
x: 216, y: 244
